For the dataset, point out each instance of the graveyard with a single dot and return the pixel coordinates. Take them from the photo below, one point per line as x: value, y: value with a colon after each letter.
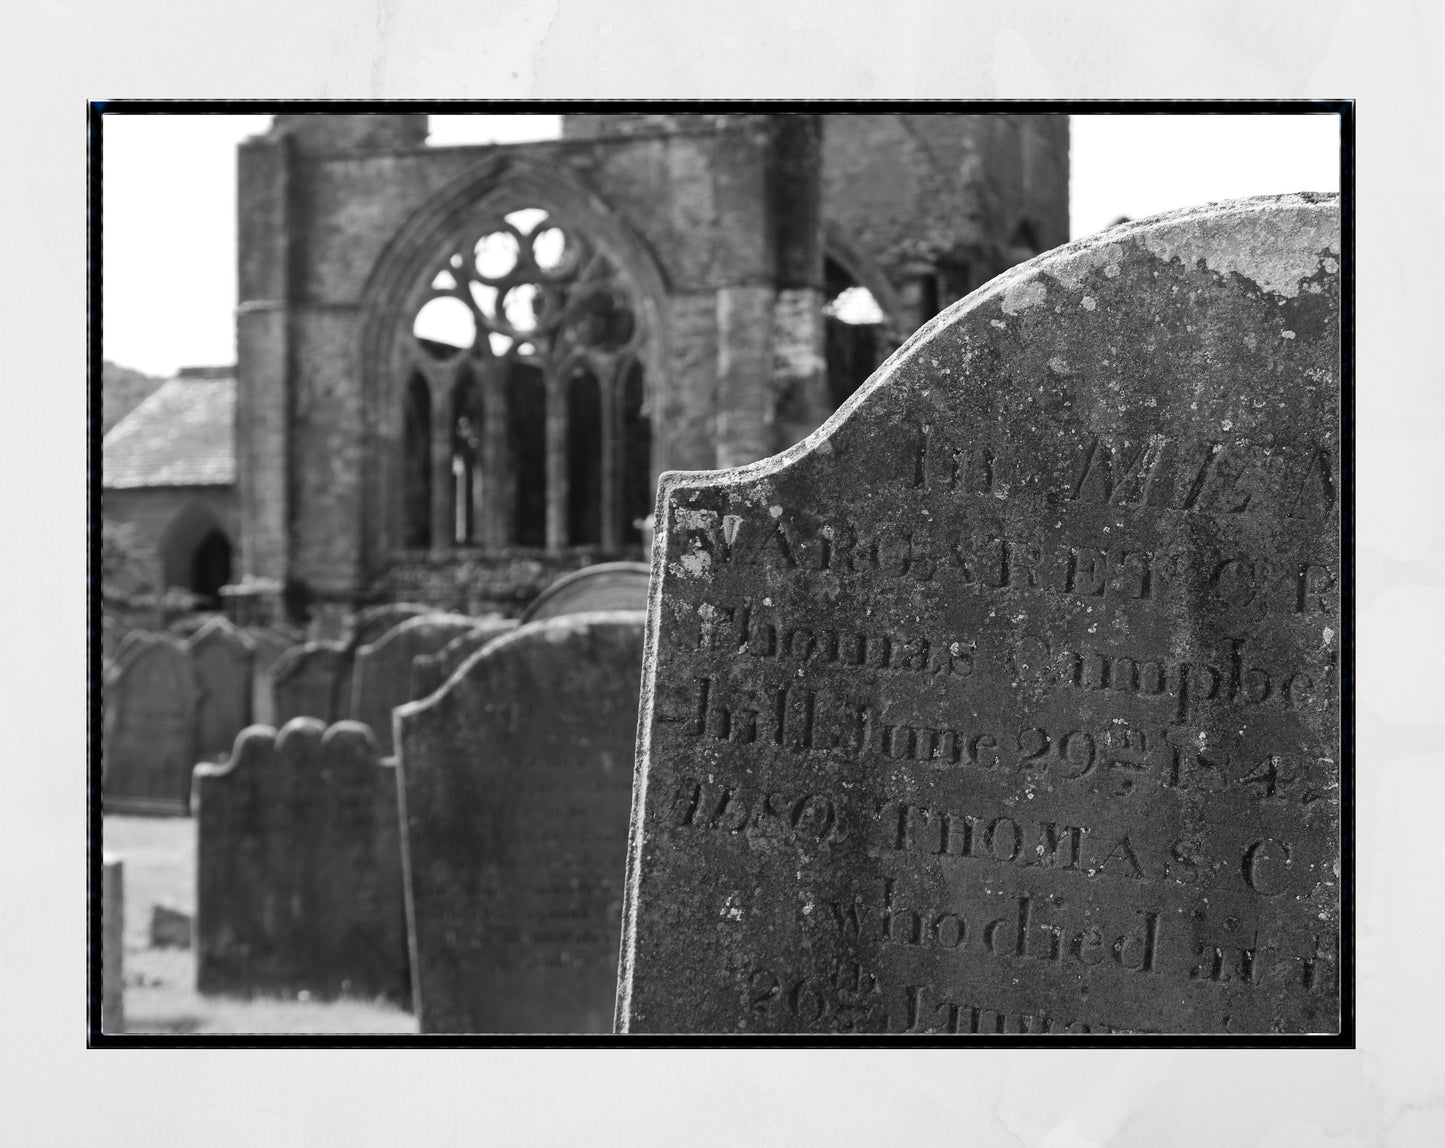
x: 994, y: 691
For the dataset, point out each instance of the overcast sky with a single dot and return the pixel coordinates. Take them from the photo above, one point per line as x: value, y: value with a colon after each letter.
x: 170, y: 202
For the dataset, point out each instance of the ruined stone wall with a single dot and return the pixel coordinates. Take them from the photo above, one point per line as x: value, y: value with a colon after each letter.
x: 317, y: 219
x: 945, y: 196
x: 726, y: 208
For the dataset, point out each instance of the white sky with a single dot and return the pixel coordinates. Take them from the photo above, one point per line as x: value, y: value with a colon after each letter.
x: 170, y: 202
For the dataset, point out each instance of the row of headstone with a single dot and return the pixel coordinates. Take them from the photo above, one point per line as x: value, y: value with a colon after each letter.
x: 515, y: 784
x: 1008, y: 702
x: 170, y: 703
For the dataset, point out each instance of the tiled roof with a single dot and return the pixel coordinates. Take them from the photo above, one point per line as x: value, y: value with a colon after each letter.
x: 183, y: 435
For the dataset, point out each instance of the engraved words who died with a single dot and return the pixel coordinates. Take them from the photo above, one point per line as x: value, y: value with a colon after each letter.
x: 1008, y: 701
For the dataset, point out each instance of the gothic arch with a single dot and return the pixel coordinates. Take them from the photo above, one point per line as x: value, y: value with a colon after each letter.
x: 195, y: 550
x: 402, y: 281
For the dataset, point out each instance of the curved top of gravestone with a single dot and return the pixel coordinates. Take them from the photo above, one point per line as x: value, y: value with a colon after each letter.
x: 141, y: 643
x: 1276, y: 245
x: 373, y: 622
x: 430, y: 671
x: 221, y: 629
x: 431, y: 630
x: 543, y: 632
x: 605, y: 586
x: 295, y: 657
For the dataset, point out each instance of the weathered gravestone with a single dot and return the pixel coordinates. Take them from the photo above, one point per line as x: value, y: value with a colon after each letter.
x: 269, y: 645
x: 382, y: 678
x: 298, y: 866
x: 605, y: 586
x: 372, y: 623
x: 429, y: 671
x: 1008, y: 700
x: 112, y: 944
x: 224, y: 657
x: 149, y: 734
x: 312, y: 680
x: 516, y: 788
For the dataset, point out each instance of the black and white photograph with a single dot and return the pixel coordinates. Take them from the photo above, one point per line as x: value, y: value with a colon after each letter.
x: 748, y: 573
x: 831, y: 572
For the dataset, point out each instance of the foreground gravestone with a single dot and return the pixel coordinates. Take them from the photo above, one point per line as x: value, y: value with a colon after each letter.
x: 298, y: 866
x: 1008, y: 700
x: 429, y: 671
x: 112, y: 944
x: 516, y: 787
x: 312, y: 680
x: 382, y: 678
x: 605, y: 586
x: 224, y: 657
x: 148, y: 747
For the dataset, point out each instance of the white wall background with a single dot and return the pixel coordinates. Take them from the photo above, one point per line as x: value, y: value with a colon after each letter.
x: 1385, y: 54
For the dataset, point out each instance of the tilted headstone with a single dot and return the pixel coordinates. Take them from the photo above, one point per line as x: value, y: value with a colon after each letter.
x: 149, y: 729
x: 429, y: 671
x: 269, y: 645
x: 298, y: 871
x: 1008, y: 701
x: 605, y: 586
x: 372, y: 623
x: 112, y: 944
x: 312, y: 680
x: 382, y: 678
x: 224, y: 657
x: 517, y: 784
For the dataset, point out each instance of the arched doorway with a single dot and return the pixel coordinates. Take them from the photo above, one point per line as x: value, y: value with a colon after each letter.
x: 211, y: 568
x: 196, y: 553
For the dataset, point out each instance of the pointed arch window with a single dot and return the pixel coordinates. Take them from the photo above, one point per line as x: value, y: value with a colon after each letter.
x: 528, y: 343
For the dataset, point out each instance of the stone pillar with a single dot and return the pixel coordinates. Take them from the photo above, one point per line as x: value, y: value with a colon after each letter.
x: 112, y: 933
x: 263, y: 354
x: 795, y: 203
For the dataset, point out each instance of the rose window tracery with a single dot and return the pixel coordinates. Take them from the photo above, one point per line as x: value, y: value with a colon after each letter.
x: 524, y: 357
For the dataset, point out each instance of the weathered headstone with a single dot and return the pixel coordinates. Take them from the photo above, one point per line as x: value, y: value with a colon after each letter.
x: 1008, y: 701
x: 312, y: 680
x: 372, y: 623
x: 382, y: 678
x: 605, y: 586
x: 517, y: 786
x: 298, y: 872
x: 112, y: 944
x: 149, y: 735
x: 269, y: 645
x: 224, y: 657
x: 429, y: 671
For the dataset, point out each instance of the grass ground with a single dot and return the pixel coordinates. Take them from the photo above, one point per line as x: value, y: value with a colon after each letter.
x: 160, y: 994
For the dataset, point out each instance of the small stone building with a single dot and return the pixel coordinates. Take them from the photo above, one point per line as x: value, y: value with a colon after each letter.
x: 168, y: 470
x: 461, y: 369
